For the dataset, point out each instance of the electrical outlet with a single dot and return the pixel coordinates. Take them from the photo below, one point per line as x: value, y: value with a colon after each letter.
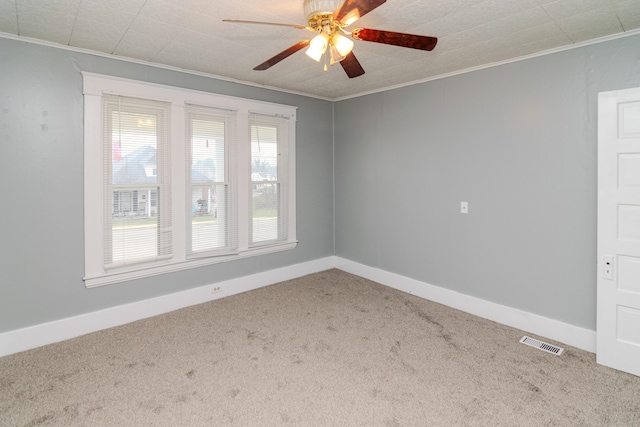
x: 216, y: 289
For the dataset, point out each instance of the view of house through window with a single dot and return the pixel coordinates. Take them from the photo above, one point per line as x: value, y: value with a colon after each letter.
x: 133, y: 135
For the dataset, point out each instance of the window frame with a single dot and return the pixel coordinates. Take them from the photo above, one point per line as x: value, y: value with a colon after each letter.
x: 94, y: 86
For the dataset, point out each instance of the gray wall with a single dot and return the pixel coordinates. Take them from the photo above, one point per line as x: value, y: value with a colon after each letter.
x: 41, y: 184
x: 519, y: 143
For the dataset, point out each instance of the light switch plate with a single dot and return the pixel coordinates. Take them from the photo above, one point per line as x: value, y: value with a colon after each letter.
x: 464, y: 207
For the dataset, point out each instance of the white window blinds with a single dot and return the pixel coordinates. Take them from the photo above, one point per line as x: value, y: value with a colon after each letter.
x: 210, y: 160
x: 268, y: 179
x: 137, y: 191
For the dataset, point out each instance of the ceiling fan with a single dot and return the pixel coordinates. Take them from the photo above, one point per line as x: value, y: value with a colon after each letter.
x: 329, y: 18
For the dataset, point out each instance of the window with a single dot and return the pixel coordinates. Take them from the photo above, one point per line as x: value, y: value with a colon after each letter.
x: 268, y: 179
x: 176, y: 179
x: 210, y: 163
x: 135, y: 136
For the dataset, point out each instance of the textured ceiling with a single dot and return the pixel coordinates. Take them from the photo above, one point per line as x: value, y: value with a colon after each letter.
x: 190, y: 34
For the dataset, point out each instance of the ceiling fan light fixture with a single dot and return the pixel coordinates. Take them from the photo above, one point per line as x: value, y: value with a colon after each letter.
x: 314, y: 54
x: 335, y: 55
x: 317, y: 47
x: 342, y: 44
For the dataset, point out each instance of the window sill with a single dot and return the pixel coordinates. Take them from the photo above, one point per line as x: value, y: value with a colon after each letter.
x: 123, y: 275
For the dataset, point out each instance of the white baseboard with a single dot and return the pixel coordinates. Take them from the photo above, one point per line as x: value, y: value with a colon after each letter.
x: 575, y: 336
x: 63, y: 329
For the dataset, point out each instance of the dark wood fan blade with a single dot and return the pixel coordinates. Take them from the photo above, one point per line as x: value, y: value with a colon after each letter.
x: 301, y: 27
x: 412, y: 41
x: 352, y: 10
x: 352, y: 66
x: 282, y: 55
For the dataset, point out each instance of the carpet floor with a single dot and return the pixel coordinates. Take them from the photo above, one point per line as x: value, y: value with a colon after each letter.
x: 327, y: 349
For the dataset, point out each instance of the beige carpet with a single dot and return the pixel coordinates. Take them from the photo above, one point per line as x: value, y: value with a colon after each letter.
x: 329, y: 349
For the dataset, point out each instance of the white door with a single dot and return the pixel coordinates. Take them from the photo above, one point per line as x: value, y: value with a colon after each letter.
x: 618, y: 334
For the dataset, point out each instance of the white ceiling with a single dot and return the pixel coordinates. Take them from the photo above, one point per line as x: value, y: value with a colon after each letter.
x: 190, y: 34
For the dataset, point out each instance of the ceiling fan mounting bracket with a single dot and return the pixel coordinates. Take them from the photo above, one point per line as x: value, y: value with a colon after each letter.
x: 315, y: 8
x: 325, y: 23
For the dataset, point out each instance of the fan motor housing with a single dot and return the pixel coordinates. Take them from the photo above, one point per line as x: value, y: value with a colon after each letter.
x: 313, y: 8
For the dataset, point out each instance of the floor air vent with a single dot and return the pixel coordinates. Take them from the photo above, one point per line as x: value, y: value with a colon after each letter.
x: 542, y: 345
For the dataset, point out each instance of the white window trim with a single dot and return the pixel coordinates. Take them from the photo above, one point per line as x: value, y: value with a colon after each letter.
x: 95, y: 85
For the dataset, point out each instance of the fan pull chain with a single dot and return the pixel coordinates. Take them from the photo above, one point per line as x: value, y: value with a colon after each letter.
x: 325, y: 59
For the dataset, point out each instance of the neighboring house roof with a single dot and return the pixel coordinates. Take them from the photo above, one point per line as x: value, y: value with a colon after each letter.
x: 139, y: 166
x: 132, y: 168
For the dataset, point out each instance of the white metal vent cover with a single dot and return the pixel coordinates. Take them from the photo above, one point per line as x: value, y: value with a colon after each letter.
x: 549, y: 348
